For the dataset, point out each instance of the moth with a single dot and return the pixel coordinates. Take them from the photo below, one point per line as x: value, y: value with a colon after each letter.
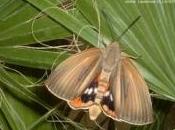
x: 103, y: 80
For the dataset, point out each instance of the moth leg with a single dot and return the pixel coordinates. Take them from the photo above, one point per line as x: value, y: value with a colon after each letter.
x: 124, y: 55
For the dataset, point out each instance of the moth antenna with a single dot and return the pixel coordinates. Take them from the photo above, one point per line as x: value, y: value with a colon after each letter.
x: 129, y: 27
x: 109, y: 23
x: 130, y: 56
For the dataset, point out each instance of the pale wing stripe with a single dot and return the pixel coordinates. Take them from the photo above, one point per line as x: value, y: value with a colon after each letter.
x: 133, y: 102
x: 137, y: 100
x: 143, y: 103
x: 123, y: 107
x: 142, y: 109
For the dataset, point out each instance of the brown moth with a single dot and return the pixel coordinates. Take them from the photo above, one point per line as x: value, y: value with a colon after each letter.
x: 102, y: 80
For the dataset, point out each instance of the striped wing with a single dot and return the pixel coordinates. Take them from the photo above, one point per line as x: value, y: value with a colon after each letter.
x: 131, y: 95
x: 76, y: 73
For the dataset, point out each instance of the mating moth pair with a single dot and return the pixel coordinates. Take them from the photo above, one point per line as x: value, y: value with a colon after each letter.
x: 103, y: 80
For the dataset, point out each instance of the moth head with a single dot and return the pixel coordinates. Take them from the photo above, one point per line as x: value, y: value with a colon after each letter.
x: 111, y: 56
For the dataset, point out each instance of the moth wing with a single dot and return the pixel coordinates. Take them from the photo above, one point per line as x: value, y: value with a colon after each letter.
x: 131, y: 95
x: 72, y: 76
